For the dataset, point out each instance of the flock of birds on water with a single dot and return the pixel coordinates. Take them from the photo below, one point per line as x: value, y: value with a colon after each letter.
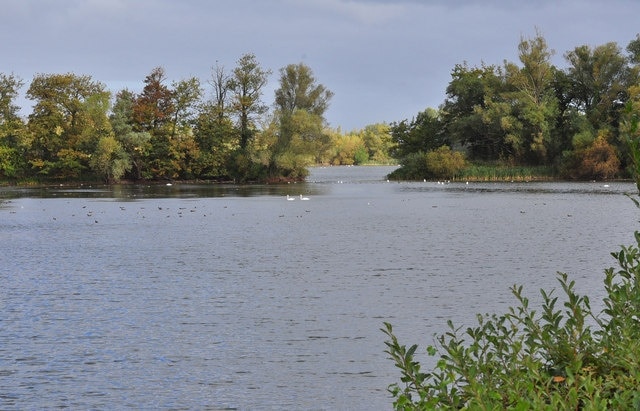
x: 90, y: 213
x: 289, y: 198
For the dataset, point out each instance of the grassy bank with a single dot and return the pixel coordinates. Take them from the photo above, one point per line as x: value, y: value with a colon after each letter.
x: 497, y: 172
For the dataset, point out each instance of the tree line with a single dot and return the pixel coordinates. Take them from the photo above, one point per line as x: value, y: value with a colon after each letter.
x: 568, y: 121
x: 219, y: 129
x: 528, y: 113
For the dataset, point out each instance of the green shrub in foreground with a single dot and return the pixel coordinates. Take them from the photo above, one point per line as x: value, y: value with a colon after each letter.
x: 560, y: 357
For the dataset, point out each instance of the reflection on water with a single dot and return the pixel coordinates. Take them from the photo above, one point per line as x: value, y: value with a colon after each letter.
x: 316, y: 185
x: 213, y: 297
x: 141, y: 191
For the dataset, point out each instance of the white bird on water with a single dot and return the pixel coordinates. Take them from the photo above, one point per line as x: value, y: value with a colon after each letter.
x: 303, y: 198
x: 290, y: 198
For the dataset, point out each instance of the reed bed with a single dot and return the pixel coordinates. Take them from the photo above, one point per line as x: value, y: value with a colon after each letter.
x: 479, y: 172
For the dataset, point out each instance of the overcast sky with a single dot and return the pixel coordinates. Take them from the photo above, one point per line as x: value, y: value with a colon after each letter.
x: 385, y: 60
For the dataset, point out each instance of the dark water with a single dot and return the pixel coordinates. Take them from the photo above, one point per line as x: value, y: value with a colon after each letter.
x: 226, y: 297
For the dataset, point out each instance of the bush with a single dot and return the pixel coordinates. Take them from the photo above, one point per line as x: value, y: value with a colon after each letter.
x: 595, y: 161
x: 444, y: 163
x: 412, y: 167
x: 528, y: 360
x: 441, y: 163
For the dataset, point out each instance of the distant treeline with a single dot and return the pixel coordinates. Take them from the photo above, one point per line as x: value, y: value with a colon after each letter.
x: 571, y: 123
x: 79, y: 131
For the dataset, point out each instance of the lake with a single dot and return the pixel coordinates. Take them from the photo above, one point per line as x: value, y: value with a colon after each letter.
x: 232, y: 297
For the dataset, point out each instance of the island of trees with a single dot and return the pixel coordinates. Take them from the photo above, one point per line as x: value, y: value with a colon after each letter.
x: 524, y: 120
x: 78, y: 131
x: 528, y: 118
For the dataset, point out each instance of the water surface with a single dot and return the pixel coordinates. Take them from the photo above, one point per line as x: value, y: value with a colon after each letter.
x: 231, y: 297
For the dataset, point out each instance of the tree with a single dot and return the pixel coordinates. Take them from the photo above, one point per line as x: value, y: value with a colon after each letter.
x: 222, y: 84
x: 422, y: 133
x: 299, y: 91
x: 110, y: 161
x: 599, y: 80
x: 301, y: 103
x: 347, y: 149
x: 465, y: 121
x: 136, y: 144
x: 300, y: 106
x: 247, y: 83
x: 10, y: 86
x: 307, y: 141
x: 633, y: 48
x: 153, y: 112
x: 630, y: 131
x: 186, y: 96
x: 438, y: 163
x: 12, y: 129
x: 154, y: 107
x: 213, y: 129
x: 535, y: 101
x: 377, y: 140
x: 68, y: 118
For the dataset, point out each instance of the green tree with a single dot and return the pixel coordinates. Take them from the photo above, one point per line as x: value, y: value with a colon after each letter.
x: 535, y: 101
x: 68, y: 118
x: 12, y: 129
x: 185, y: 157
x: 422, y: 133
x: 136, y: 144
x: 307, y: 143
x: 217, y: 139
x: 110, y: 161
x: 599, y: 80
x: 568, y: 122
x: 378, y: 142
x: 465, y: 121
x: 10, y: 86
x: 97, y: 124
x: 186, y: 97
x: 246, y: 85
x: 299, y: 91
x: 301, y: 103
x: 630, y: 131
x: 214, y: 131
x: 633, y: 48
